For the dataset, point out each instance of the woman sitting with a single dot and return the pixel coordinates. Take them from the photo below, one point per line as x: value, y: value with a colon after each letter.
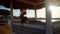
x: 24, y: 18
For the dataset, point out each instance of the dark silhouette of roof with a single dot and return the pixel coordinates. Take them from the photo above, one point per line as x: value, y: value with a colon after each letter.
x: 4, y: 12
x: 23, y: 4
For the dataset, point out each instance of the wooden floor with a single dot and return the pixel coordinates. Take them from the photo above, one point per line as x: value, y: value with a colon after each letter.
x: 5, y: 29
x: 29, y: 30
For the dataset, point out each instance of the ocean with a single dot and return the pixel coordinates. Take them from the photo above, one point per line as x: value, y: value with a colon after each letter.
x: 51, y: 21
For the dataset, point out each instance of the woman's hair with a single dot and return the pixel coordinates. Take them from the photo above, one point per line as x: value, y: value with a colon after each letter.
x: 23, y: 12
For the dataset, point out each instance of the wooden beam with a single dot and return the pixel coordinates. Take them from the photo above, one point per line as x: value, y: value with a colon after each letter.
x: 40, y: 3
x: 35, y: 12
x: 26, y: 2
x: 32, y: 3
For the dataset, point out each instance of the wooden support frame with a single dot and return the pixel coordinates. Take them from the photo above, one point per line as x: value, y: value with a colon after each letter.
x: 11, y: 14
x: 35, y: 12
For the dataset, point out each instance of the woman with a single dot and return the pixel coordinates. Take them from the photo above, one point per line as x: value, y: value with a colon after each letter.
x: 24, y: 18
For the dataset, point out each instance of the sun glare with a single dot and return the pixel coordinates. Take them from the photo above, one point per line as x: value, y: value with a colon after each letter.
x: 55, y: 11
x: 52, y: 8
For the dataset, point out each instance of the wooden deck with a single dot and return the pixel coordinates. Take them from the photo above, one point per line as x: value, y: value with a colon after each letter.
x: 32, y: 29
x: 5, y: 29
x: 27, y: 29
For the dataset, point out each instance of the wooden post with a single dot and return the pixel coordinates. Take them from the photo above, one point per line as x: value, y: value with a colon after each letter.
x: 48, y: 18
x: 11, y: 13
x: 35, y: 12
x: 8, y: 19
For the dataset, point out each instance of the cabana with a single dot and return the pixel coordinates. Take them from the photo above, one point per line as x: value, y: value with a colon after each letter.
x: 30, y: 4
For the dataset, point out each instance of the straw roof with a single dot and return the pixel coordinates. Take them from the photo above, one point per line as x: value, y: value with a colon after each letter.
x: 20, y: 4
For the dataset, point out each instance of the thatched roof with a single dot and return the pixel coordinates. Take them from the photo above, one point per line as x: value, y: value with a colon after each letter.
x: 19, y: 4
x: 55, y: 2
